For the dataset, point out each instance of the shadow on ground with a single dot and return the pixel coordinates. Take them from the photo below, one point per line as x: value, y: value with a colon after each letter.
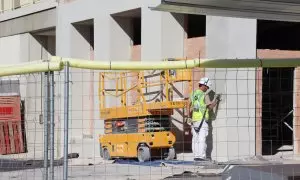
x: 153, y: 163
x: 7, y: 165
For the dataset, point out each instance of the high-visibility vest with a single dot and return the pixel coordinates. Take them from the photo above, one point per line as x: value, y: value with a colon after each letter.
x: 198, y: 105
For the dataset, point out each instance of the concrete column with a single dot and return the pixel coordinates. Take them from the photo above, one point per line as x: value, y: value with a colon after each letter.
x: 63, y: 38
x: 233, y: 132
x: 102, y: 37
x: 120, y: 41
x: 163, y: 37
x: 112, y: 43
x: 102, y: 53
x: 73, y: 41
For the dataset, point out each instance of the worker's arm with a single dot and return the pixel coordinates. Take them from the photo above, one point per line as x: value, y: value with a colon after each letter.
x: 212, y: 104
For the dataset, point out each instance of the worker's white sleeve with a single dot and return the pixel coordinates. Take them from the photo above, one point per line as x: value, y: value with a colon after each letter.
x: 207, y: 100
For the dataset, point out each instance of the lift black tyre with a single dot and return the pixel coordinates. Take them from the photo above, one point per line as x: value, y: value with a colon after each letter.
x: 171, y: 154
x: 106, y: 155
x: 143, y: 154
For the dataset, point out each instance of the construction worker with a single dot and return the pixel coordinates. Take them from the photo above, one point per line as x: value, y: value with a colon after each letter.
x: 199, y: 105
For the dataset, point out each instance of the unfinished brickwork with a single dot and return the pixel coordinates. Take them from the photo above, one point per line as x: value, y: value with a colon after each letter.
x: 135, y: 56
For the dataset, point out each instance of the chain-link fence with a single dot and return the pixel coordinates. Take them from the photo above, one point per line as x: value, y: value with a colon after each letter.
x: 86, y: 123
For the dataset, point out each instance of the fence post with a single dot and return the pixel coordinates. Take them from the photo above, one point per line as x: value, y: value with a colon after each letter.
x: 52, y: 125
x: 46, y: 95
x: 66, y: 120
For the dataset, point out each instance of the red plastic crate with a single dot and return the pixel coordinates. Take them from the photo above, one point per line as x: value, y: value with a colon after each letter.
x: 11, y: 137
x: 10, y: 108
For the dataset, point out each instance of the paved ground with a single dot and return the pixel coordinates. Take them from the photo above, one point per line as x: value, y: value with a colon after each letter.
x: 134, y: 172
x: 251, y: 168
x: 115, y: 170
x: 107, y: 171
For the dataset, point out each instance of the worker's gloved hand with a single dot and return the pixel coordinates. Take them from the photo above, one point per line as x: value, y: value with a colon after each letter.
x: 218, y: 97
x: 189, y: 121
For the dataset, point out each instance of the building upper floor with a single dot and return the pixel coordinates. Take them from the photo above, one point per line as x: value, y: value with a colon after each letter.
x: 11, y: 9
x: 257, y: 9
x: 11, y: 5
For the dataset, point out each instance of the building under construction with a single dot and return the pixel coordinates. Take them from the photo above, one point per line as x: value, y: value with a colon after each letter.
x: 258, y: 114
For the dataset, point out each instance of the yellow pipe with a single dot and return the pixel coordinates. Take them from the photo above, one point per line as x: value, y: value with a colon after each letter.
x: 31, y: 67
x: 248, y: 63
x: 57, y: 64
x: 128, y: 65
x: 183, y: 64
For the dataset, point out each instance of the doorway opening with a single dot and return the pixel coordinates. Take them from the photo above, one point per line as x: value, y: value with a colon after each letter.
x: 277, y: 39
x: 277, y: 110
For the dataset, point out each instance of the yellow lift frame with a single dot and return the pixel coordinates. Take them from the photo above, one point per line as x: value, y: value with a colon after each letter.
x: 139, y: 144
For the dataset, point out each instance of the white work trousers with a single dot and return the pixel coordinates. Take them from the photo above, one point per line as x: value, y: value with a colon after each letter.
x: 199, y: 140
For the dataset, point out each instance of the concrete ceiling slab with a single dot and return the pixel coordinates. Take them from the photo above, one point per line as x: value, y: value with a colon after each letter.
x: 133, y: 13
x: 88, y: 22
x: 47, y: 32
x: 30, y: 23
x: 282, y: 10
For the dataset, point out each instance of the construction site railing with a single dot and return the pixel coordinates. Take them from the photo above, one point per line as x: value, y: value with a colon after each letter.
x: 59, y: 63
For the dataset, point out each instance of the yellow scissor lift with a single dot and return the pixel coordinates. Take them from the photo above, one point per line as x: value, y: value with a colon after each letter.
x: 140, y: 130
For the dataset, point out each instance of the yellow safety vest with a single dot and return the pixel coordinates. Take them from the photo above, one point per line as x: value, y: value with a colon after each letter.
x: 198, y: 105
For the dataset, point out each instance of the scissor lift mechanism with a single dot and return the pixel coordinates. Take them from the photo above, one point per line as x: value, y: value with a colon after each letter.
x: 142, y: 129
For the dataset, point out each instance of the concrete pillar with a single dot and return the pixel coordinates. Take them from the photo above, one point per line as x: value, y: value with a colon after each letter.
x: 120, y: 28
x: 163, y: 37
x: 102, y: 37
x: 37, y: 48
x: 73, y: 41
x: 102, y: 53
x: 233, y: 132
x: 113, y: 44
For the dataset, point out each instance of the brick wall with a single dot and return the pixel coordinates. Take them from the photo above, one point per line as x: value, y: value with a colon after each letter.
x: 195, y: 48
x: 135, y: 56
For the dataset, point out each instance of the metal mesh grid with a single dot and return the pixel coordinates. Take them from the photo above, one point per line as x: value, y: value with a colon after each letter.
x: 252, y: 132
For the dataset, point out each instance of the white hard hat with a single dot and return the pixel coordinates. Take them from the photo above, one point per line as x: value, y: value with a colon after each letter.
x: 205, y: 81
